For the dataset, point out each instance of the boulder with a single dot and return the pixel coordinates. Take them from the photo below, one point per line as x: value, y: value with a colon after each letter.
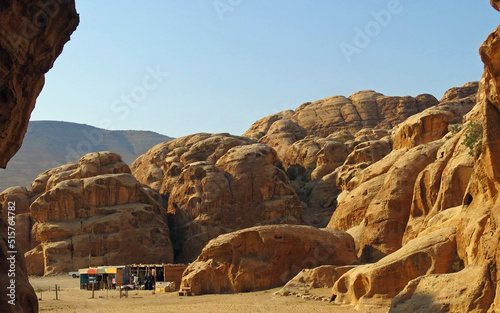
x: 319, y: 277
x: 265, y: 257
x: 469, y: 290
x: 380, y: 282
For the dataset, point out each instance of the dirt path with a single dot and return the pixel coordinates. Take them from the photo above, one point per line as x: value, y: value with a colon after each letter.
x: 72, y: 299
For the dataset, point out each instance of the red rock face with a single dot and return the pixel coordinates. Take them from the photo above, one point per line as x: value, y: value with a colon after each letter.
x: 363, y: 109
x: 243, y: 189
x: 379, y: 283
x: 265, y: 257
x: 217, y: 184
x: 32, y: 35
x: 456, y: 191
x: 96, y: 210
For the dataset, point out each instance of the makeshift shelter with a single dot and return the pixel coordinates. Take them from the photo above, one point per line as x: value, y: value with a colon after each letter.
x: 145, y: 274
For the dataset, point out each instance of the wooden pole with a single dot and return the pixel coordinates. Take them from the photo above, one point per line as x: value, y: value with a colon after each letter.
x: 93, y: 290
x: 56, y: 293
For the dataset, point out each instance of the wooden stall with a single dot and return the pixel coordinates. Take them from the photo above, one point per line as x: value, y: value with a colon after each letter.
x: 173, y: 272
x: 138, y: 275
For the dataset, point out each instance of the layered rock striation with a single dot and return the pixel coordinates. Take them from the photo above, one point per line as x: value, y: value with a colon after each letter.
x: 95, y: 212
x: 265, y: 257
x: 32, y: 36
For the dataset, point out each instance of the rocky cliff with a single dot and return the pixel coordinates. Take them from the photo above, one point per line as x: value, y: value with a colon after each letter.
x: 407, y: 186
x: 32, y: 35
x: 454, y: 198
x: 217, y: 184
x: 94, y: 212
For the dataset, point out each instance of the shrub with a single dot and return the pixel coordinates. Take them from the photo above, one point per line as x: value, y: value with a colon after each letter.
x: 473, y: 138
x: 312, y: 166
x: 455, y: 128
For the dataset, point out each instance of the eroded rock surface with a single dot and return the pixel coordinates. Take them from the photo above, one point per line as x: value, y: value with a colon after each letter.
x: 242, y: 189
x: 32, y: 35
x: 265, y: 257
x: 469, y: 290
x: 380, y: 282
x: 98, y: 210
x: 319, y: 277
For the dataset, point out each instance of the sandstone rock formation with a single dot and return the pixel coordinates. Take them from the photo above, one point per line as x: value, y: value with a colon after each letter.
x: 265, y: 257
x: 282, y: 134
x: 242, y: 189
x: 261, y: 127
x: 18, y: 198
x: 217, y: 184
x: 96, y: 209
x: 17, y: 195
x: 458, y: 190
x: 319, y: 277
x: 32, y: 37
x: 469, y: 290
x: 428, y: 126
x: 378, y: 187
x: 25, y: 299
x: 440, y: 186
x: 382, y: 203
x: 161, y: 166
x: 363, y: 109
x: 379, y: 283
x: 479, y: 236
x: 462, y: 92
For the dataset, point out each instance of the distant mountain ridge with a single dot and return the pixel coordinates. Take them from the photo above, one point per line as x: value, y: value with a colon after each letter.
x: 48, y: 144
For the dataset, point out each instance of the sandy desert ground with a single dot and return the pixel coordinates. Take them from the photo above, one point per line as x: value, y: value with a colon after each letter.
x: 72, y: 299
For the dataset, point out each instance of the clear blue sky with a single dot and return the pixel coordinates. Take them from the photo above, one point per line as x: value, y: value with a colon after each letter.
x: 232, y: 62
